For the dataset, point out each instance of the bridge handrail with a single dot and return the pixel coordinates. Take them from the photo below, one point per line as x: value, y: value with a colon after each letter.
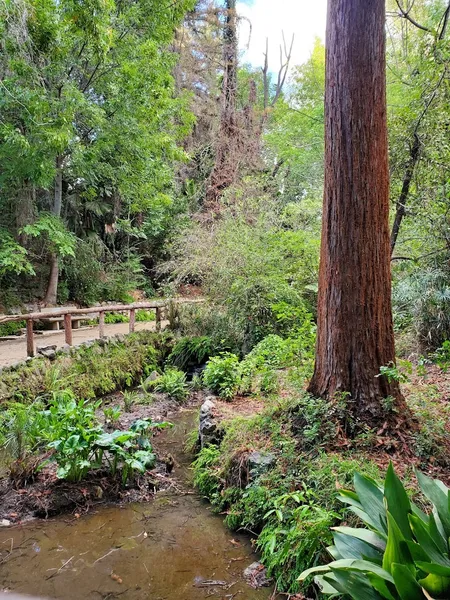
x: 67, y: 314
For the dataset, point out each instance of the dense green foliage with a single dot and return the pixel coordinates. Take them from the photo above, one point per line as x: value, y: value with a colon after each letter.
x: 88, y: 101
x: 70, y: 430
x: 403, y: 554
x: 88, y: 371
x: 292, y: 504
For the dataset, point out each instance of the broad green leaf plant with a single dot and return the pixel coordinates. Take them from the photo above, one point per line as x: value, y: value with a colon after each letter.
x: 402, y: 553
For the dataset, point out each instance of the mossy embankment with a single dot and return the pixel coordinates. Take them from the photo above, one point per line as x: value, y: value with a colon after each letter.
x: 276, y: 473
x: 90, y: 370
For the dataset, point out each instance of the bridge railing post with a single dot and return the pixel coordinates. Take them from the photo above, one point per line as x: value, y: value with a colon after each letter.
x: 101, y: 324
x: 30, y: 338
x: 132, y: 319
x: 68, y: 328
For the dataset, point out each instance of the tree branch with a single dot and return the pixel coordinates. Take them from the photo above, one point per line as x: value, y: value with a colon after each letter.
x: 405, y: 14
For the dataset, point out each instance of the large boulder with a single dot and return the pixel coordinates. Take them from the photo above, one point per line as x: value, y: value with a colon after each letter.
x: 259, y: 463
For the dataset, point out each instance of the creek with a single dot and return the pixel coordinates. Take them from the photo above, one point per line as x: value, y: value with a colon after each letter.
x: 173, y: 547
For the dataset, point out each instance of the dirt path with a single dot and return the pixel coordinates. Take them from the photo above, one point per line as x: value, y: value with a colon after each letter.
x: 15, y: 351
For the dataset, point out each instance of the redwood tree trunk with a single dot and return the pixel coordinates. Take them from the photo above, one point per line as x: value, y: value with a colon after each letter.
x: 355, y: 333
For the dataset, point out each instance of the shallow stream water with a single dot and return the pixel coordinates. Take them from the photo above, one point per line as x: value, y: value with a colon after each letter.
x: 170, y: 548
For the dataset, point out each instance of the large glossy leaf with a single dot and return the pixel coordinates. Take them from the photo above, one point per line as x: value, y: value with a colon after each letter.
x: 363, y: 534
x: 417, y: 552
x: 352, y: 547
x: 349, y: 564
x: 385, y: 588
x: 433, y: 568
x: 436, y: 531
x: 406, y: 584
x: 398, y: 503
x: 436, y: 585
x: 396, y: 548
x: 438, y: 494
x: 372, y: 501
x: 326, y: 584
x: 355, y: 585
x: 427, y: 543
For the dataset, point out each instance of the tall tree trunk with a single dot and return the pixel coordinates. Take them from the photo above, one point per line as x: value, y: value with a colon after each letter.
x: 227, y: 160
x: 52, y: 286
x: 355, y: 333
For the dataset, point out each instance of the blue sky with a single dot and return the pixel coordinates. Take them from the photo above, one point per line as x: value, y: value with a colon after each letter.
x: 304, y: 18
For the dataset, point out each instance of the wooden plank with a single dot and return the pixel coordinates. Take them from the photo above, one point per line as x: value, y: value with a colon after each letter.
x: 30, y: 338
x: 132, y: 319
x: 101, y: 325
x: 158, y: 320
x: 97, y: 309
x: 68, y: 328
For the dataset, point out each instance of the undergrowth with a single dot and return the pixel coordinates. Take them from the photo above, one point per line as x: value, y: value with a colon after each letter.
x: 89, y: 371
x: 290, y: 504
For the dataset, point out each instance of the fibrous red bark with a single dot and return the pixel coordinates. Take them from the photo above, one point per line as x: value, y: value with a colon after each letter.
x: 355, y: 332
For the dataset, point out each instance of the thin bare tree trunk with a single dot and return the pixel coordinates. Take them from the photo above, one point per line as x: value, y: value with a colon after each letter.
x: 226, y: 163
x: 401, y: 202
x: 52, y: 286
x: 355, y: 333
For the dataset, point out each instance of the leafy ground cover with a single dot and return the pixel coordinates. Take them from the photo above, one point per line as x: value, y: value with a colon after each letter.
x: 311, y: 449
x: 90, y: 370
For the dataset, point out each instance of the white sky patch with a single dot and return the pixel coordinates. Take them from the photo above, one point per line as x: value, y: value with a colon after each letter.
x: 269, y: 18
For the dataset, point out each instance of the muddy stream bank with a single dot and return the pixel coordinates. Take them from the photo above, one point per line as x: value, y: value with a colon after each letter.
x: 170, y: 548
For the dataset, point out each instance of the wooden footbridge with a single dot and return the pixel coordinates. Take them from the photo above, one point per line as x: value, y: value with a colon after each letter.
x: 70, y: 318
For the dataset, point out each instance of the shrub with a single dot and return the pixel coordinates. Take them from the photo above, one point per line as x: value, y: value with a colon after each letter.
x: 71, y: 430
x: 442, y: 356
x: 255, y: 260
x: 89, y: 371
x: 145, y: 315
x: 130, y: 397
x: 111, y: 318
x: 173, y: 383
x: 12, y: 328
x: 421, y: 301
x: 221, y: 375
x: 403, y: 553
x: 191, y: 352
x: 112, y: 414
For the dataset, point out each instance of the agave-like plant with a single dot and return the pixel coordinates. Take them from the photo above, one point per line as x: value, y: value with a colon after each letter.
x: 403, y: 554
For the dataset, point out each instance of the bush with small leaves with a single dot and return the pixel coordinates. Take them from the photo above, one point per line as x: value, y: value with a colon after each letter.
x: 222, y: 376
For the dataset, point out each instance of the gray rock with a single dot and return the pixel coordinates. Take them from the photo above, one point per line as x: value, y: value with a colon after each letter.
x: 147, y: 385
x: 256, y: 575
x: 5, y: 523
x: 259, y: 463
x: 47, y: 351
x: 208, y: 430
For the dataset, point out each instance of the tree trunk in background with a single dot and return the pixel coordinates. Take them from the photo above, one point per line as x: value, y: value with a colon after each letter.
x: 401, y: 203
x: 227, y: 153
x: 355, y: 333
x: 52, y: 286
x: 24, y: 209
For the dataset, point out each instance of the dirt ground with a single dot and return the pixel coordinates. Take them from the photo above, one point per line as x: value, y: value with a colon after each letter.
x: 15, y: 351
